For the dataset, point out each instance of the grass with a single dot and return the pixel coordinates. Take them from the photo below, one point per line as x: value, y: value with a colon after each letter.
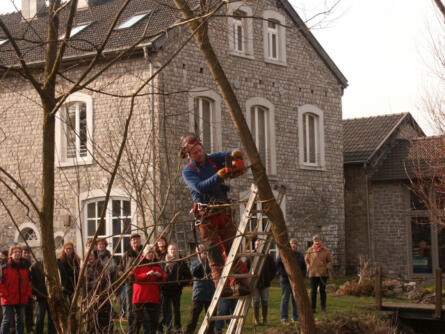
x: 337, y: 306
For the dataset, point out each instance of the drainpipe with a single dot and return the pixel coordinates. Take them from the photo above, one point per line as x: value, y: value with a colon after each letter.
x: 153, y: 151
x: 368, y: 223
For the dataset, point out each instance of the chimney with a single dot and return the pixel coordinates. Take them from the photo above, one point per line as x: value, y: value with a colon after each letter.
x: 30, y: 8
x: 82, y: 4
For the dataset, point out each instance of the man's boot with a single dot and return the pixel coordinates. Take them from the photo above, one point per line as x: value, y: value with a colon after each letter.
x: 264, y: 311
x: 256, y: 315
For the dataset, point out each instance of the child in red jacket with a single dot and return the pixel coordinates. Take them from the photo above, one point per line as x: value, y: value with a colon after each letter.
x: 15, y: 290
x: 146, y: 296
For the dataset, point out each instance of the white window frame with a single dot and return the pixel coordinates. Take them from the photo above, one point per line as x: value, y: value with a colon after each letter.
x: 75, y: 30
x: 247, y: 29
x: 99, y: 195
x: 271, y: 163
x: 215, y: 118
x: 244, y: 195
x: 311, y: 110
x: 61, y: 136
x: 280, y: 31
x: 32, y: 226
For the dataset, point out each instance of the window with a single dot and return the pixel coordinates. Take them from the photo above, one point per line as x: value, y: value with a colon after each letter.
x: 274, y: 37
x: 74, y: 131
x: 3, y: 41
x: 240, y: 30
x: 311, y: 137
x: 421, y: 245
x: 28, y: 232
x: 75, y: 30
x: 261, y: 121
x: 117, y: 225
x: 205, y: 118
x: 132, y: 20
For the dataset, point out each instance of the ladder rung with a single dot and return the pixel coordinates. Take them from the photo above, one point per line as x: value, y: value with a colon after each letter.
x: 254, y: 234
x: 225, y: 317
x: 235, y: 297
x: 242, y: 275
x: 250, y: 254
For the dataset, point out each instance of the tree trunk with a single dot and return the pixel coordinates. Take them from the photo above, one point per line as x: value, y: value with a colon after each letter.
x: 199, y: 28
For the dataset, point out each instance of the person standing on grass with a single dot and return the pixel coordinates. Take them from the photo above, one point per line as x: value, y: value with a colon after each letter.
x: 261, y: 292
x: 146, y: 296
x: 69, y: 267
x: 286, y: 290
x: 178, y: 275
x: 319, y: 261
x: 130, y: 260
x: 15, y: 290
x: 203, y: 289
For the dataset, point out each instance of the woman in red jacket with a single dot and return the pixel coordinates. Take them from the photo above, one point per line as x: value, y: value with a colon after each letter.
x: 15, y: 290
x: 146, y: 297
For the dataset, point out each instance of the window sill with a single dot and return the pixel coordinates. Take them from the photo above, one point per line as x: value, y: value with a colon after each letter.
x: 313, y: 167
x: 275, y: 62
x: 241, y: 55
x: 74, y: 163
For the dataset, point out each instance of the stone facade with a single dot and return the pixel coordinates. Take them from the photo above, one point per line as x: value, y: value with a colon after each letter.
x: 314, y: 197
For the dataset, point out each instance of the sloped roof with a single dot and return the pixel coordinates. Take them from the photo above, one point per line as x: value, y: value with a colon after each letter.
x: 101, y: 14
x: 28, y: 35
x: 364, y: 136
x: 423, y: 156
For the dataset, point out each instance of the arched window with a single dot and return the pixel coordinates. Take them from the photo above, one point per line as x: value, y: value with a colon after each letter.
x: 261, y: 121
x: 240, y: 29
x: 274, y: 36
x: 28, y: 232
x: 311, y: 137
x: 74, y: 129
x: 205, y: 117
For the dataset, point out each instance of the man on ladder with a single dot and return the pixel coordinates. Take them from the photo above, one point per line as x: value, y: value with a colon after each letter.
x: 205, y: 175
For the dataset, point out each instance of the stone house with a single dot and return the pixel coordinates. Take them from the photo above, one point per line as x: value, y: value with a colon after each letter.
x: 289, y: 88
x: 384, y: 219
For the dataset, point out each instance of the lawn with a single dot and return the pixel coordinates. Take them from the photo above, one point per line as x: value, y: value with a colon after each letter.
x: 336, y: 306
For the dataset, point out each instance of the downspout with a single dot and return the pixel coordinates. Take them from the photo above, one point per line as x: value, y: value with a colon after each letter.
x: 153, y: 151
x: 368, y: 222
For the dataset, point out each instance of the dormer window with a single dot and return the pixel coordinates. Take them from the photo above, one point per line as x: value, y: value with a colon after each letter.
x: 75, y: 30
x: 130, y: 22
x: 3, y: 41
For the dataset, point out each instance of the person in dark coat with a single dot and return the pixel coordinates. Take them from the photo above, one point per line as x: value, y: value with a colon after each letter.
x: 97, y: 286
x: 106, y: 259
x: 178, y: 275
x: 69, y: 266
x: 203, y: 289
x: 129, y: 261
x: 15, y: 290
x: 261, y: 292
x: 29, y: 309
x: 40, y: 293
x: 147, y: 297
x: 286, y: 291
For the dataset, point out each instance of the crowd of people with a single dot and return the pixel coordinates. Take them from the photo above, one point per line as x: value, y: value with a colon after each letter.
x: 151, y: 294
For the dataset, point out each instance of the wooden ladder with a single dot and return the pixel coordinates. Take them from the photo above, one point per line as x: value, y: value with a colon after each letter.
x: 239, y: 315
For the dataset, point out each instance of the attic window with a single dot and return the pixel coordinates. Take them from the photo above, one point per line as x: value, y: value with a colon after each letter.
x: 75, y: 30
x: 133, y: 20
x: 3, y: 41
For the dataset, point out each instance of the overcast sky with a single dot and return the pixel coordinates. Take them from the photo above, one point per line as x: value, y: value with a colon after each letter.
x: 381, y: 46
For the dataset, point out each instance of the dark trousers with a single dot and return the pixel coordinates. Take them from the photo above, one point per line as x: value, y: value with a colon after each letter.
x: 11, y: 313
x: 42, y: 308
x: 197, y: 307
x: 171, y: 301
x: 318, y: 282
x: 29, y: 315
x: 148, y: 315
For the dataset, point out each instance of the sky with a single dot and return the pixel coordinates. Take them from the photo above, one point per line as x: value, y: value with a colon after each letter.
x: 381, y: 46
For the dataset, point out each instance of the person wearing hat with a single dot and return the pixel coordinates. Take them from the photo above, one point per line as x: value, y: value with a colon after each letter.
x: 204, y: 176
x: 318, y: 261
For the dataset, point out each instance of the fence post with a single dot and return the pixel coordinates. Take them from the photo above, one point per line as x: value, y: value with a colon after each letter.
x: 438, y: 294
x: 378, y: 287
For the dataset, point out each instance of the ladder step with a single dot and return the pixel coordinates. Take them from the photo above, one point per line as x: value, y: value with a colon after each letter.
x: 242, y: 276
x: 250, y: 254
x: 235, y: 297
x: 225, y: 317
x: 255, y: 234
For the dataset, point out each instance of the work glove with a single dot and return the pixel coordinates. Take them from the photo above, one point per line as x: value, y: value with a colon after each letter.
x: 224, y: 173
x: 237, y: 154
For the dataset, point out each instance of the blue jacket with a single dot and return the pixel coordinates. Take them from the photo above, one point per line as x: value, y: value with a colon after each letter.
x: 207, y: 184
x: 282, y: 272
x: 202, y: 290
